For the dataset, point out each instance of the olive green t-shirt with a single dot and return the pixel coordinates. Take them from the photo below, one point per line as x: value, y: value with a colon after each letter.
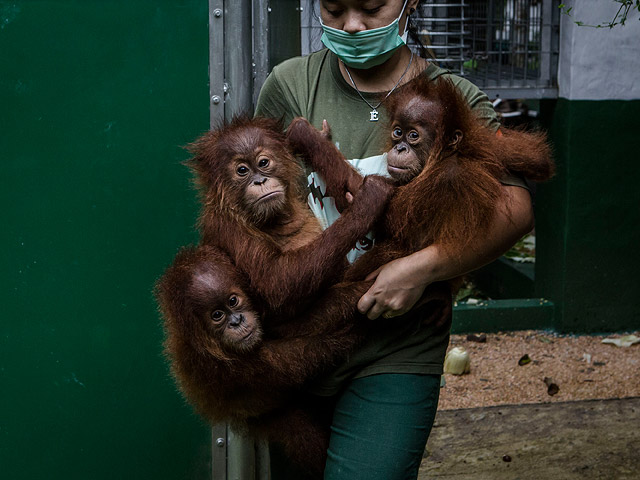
x: 313, y: 87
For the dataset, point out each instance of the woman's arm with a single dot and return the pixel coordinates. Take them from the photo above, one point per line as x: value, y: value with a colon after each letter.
x: 399, y: 284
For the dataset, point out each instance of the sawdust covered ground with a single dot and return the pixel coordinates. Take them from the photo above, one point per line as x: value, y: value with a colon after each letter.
x: 582, y: 367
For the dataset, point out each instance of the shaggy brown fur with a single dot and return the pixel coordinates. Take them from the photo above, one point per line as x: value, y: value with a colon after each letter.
x: 449, y: 171
x: 261, y: 220
x: 250, y: 314
x: 231, y: 371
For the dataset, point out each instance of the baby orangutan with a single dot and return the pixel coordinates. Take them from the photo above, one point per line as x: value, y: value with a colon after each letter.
x: 254, y: 210
x: 447, y: 167
x: 234, y: 369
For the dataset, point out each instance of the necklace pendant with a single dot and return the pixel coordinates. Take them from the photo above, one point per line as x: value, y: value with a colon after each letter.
x: 374, y: 115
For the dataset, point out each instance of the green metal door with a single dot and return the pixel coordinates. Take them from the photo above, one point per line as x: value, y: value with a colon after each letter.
x: 96, y: 100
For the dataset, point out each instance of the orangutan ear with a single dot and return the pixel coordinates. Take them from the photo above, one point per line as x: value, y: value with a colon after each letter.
x: 455, y: 139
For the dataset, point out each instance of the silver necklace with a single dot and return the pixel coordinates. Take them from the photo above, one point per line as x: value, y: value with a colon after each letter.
x: 373, y: 114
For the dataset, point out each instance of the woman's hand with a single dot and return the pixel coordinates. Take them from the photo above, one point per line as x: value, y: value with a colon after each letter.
x: 398, y: 286
x: 400, y: 283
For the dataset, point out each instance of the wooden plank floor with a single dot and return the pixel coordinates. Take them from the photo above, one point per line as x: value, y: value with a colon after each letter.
x: 594, y: 439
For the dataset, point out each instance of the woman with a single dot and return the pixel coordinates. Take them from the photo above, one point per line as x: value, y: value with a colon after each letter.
x: 386, y: 394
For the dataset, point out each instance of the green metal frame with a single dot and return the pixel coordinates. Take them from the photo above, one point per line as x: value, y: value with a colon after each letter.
x: 503, y: 315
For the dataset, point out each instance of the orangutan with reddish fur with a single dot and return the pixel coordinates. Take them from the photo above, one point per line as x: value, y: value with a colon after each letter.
x: 234, y: 369
x: 254, y: 210
x: 447, y: 167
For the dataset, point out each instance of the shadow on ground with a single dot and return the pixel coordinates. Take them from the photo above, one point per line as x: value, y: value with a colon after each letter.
x: 593, y: 439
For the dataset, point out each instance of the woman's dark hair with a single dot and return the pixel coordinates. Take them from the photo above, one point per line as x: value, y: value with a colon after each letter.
x: 423, y: 51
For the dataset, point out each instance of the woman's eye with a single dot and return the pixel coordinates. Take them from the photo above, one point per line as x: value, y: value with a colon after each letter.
x: 263, y: 162
x: 371, y: 11
x: 233, y: 301
x: 397, y: 132
x: 217, y: 315
x: 242, y: 170
x: 413, y: 135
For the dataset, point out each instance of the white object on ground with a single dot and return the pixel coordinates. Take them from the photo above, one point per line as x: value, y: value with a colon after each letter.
x: 457, y: 361
x: 625, y: 341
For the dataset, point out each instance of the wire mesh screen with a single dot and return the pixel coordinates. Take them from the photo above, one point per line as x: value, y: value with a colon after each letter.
x: 509, y: 48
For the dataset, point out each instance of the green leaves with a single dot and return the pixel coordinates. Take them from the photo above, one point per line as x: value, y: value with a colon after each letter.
x: 619, y: 19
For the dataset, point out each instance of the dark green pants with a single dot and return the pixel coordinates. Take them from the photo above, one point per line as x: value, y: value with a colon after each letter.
x: 380, y: 428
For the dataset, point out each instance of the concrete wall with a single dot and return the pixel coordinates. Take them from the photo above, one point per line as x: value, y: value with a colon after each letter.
x: 599, y: 63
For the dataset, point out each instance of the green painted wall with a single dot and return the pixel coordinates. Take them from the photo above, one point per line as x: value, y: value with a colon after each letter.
x: 587, y: 229
x: 96, y: 99
x: 588, y: 222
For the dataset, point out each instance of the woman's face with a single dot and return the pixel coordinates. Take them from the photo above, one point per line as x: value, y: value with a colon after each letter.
x: 357, y: 15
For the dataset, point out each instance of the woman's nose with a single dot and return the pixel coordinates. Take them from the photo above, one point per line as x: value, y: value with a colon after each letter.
x: 353, y: 23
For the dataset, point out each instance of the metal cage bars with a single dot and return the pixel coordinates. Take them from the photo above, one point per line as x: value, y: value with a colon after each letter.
x: 509, y: 48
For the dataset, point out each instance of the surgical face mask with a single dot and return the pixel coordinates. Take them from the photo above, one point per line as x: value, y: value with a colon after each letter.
x: 367, y: 48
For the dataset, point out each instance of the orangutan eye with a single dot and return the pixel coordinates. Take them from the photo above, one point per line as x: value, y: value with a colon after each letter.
x: 242, y: 170
x: 263, y: 163
x: 217, y: 315
x: 413, y: 135
x: 397, y: 132
x: 233, y: 301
